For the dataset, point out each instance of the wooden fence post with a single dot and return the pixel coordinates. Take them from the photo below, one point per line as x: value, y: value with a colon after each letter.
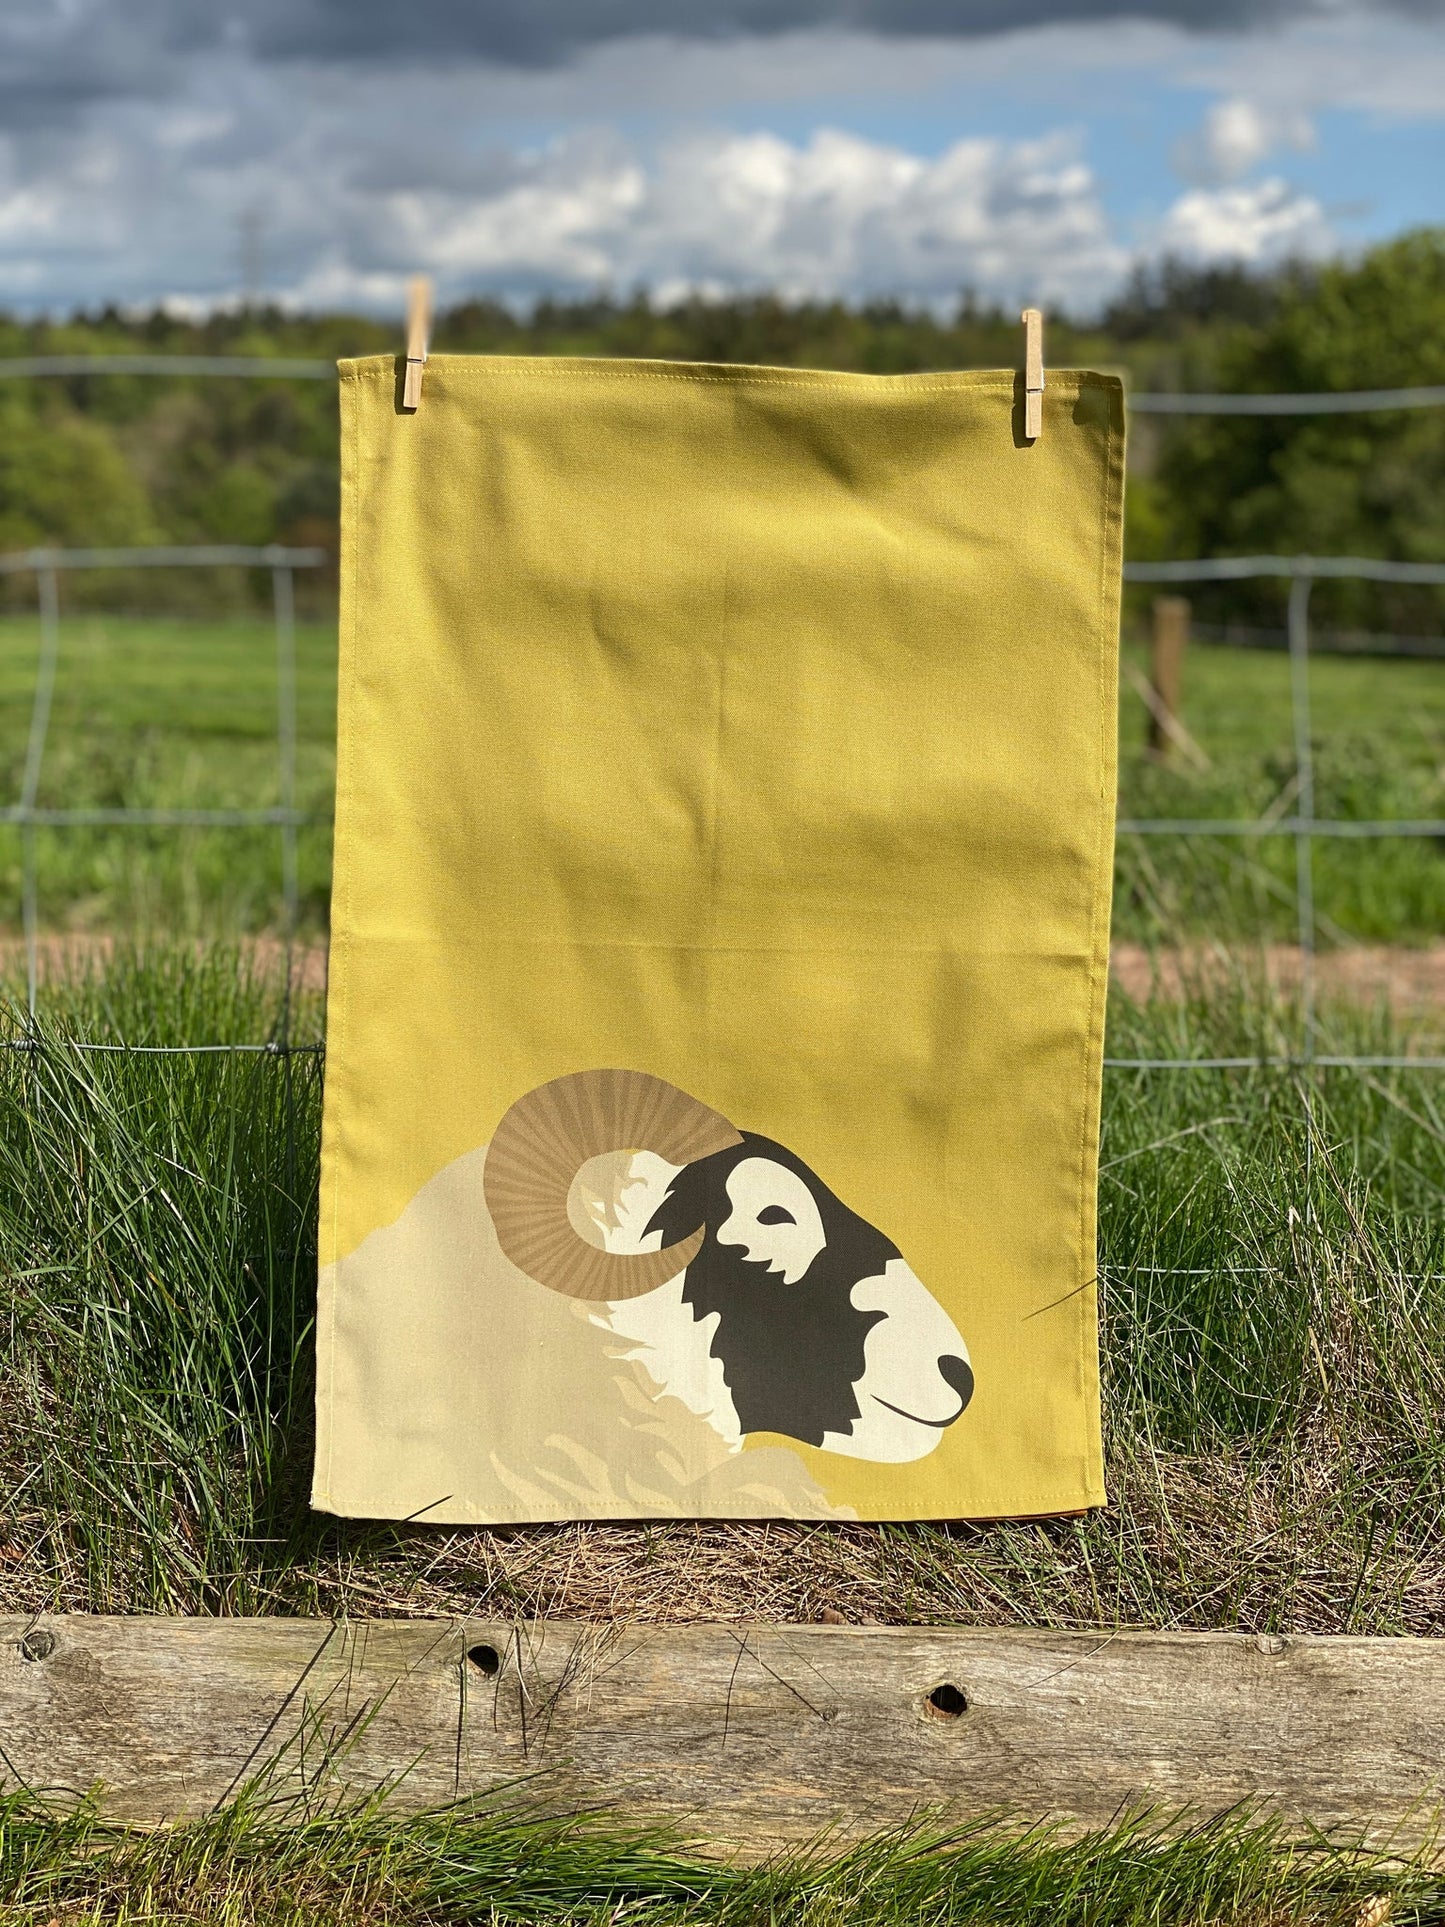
x: 1166, y: 671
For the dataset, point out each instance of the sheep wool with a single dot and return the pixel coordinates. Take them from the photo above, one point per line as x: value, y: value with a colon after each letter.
x: 724, y: 834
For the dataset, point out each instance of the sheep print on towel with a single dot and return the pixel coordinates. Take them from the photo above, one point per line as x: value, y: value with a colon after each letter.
x: 719, y: 945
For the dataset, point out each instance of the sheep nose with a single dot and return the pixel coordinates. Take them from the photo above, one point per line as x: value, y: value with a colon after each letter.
x: 958, y: 1373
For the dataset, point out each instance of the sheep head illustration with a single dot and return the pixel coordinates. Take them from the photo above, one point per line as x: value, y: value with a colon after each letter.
x: 822, y: 1331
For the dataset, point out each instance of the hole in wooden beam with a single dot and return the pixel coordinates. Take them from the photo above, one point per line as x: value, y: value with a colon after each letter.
x: 946, y: 1702
x: 486, y: 1659
x: 38, y: 1644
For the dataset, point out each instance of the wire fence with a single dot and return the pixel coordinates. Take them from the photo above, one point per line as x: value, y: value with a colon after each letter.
x: 1302, y: 826
x: 48, y: 565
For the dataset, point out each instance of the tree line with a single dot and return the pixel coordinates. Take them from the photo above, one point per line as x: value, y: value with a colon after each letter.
x: 120, y: 459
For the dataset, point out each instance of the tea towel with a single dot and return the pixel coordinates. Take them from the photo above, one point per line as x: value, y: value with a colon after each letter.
x: 723, y: 849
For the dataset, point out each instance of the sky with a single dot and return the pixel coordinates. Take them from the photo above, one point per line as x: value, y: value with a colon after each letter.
x: 317, y: 152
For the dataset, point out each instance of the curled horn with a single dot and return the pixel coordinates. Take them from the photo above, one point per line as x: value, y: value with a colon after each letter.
x: 543, y: 1142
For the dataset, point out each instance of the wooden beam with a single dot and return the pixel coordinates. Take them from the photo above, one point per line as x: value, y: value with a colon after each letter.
x: 750, y: 1735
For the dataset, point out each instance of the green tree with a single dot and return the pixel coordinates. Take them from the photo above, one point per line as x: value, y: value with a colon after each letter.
x: 1359, y: 484
x: 63, y: 479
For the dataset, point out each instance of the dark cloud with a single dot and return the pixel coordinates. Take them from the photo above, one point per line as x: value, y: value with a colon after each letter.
x: 54, y: 57
x: 59, y: 58
x: 543, y: 32
x: 57, y: 61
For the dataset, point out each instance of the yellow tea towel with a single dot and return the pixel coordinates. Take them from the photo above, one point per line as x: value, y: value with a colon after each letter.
x: 723, y: 845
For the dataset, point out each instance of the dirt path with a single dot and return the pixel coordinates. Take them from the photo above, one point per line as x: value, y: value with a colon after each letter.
x: 1366, y: 973
x: 73, y: 954
x: 1403, y: 979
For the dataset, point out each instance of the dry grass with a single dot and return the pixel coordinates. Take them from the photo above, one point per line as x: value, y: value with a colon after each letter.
x: 1225, y: 1541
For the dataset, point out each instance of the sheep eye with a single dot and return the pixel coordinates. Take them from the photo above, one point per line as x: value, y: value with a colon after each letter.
x: 775, y: 1214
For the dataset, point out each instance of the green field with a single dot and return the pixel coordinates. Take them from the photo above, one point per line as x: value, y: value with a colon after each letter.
x: 167, y: 714
x: 1272, y: 1242
x: 178, y: 714
x: 1377, y: 727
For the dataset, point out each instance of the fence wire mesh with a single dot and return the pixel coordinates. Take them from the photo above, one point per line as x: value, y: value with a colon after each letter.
x: 1301, y: 825
x: 48, y: 565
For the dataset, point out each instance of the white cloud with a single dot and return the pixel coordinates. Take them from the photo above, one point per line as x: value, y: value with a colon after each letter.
x: 1267, y: 222
x: 1235, y: 136
x: 28, y: 215
x: 832, y: 215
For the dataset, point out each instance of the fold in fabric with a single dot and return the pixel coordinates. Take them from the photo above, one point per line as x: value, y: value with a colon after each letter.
x: 724, y: 834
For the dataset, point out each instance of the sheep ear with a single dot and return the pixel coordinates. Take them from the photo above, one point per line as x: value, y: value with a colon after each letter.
x: 544, y: 1140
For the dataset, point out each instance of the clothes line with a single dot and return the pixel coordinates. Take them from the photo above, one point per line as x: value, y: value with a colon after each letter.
x: 301, y: 368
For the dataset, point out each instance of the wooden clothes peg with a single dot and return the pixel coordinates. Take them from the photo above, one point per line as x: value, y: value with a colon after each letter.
x: 418, y: 337
x: 1033, y: 321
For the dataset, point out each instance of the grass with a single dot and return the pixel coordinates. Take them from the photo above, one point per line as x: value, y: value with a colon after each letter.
x: 1274, y: 1298
x: 1378, y: 736
x: 270, y: 1865
x: 168, y: 714
x: 1275, y: 1373
x: 171, y: 713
